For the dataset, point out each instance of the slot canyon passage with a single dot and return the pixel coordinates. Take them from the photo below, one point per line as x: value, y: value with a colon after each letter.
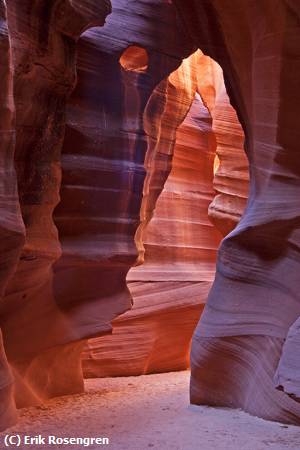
x: 150, y: 222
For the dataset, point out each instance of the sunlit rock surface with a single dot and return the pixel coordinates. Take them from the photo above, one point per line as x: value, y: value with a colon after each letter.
x: 177, y: 241
x: 231, y: 179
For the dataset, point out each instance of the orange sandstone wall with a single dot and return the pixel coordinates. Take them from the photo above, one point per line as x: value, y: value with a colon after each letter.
x: 108, y: 148
x: 38, y: 72
x: 176, y: 239
x: 74, y: 143
x: 231, y: 180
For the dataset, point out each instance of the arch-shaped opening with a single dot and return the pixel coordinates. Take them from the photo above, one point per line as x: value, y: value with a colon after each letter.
x: 134, y: 59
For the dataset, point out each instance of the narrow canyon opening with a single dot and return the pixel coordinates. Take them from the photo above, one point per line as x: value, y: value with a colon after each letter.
x: 128, y: 214
x: 194, y: 193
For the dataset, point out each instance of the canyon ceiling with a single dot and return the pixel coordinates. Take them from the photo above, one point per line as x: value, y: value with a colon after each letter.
x: 129, y: 206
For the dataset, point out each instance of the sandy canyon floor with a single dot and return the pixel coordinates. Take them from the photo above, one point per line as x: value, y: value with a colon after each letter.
x: 151, y: 412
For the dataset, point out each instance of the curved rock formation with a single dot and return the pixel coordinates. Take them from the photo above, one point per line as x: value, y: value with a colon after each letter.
x: 11, y: 224
x: 146, y: 339
x: 93, y: 199
x: 176, y: 240
x: 106, y: 134
x: 103, y: 156
x: 107, y: 137
x: 255, y: 297
x: 43, y: 38
x: 231, y: 179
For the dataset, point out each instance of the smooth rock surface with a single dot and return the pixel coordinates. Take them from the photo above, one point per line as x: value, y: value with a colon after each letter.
x: 255, y: 297
x: 89, y: 118
x: 176, y: 239
x: 11, y: 225
x: 103, y: 157
x: 38, y: 72
x: 231, y: 180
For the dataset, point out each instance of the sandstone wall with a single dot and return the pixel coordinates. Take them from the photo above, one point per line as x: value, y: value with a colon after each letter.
x: 176, y: 239
x: 177, y: 242
x: 102, y: 130
x: 254, y: 301
x: 69, y: 233
x: 11, y: 224
x: 231, y: 180
x: 38, y: 72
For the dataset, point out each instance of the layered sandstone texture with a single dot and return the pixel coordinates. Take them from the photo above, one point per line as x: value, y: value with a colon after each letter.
x: 244, y: 351
x: 11, y: 228
x: 74, y: 146
x: 108, y: 142
x: 200, y: 133
x: 103, y: 157
x: 38, y: 72
x: 116, y: 158
x: 176, y: 239
x: 231, y: 180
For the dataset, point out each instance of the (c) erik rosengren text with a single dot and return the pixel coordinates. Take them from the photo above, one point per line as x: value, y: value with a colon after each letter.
x: 15, y: 440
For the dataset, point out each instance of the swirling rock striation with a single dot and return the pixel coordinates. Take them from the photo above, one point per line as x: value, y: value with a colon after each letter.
x: 231, y: 180
x: 102, y: 160
x: 37, y: 76
x: 254, y: 301
x: 81, y: 204
x: 130, y: 120
x: 176, y: 240
x: 59, y: 289
x: 11, y: 225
